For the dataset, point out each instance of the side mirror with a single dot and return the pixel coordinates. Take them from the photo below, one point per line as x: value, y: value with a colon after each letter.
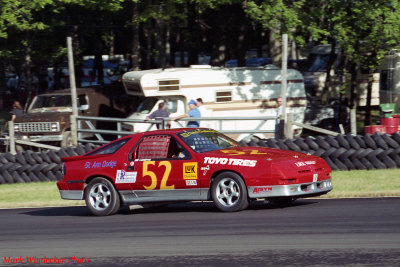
x: 83, y: 107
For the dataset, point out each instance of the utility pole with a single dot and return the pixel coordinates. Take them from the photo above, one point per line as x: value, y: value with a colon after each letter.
x: 282, y: 118
x: 74, y: 131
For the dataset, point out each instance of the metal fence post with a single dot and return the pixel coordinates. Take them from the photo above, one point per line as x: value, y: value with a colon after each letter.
x: 289, y: 126
x: 74, y: 130
x: 12, y: 137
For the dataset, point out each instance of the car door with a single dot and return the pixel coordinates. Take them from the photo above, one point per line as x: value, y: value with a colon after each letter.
x: 165, y: 169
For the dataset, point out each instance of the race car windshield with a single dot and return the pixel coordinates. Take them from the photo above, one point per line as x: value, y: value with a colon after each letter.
x: 205, y: 140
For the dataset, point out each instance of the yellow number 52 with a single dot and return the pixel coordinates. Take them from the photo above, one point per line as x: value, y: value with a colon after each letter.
x: 153, y: 176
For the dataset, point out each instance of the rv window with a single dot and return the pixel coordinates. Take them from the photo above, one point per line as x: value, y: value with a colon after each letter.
x: 168, y: 85
x: 147, y: 105
x: 223, y: 96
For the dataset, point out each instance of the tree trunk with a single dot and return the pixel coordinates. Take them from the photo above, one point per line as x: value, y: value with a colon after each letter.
x: 28, y: 69
x: 135, y: 52
x: 275, y: 46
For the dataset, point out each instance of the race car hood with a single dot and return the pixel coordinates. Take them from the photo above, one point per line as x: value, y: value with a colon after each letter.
x: 281, y: 159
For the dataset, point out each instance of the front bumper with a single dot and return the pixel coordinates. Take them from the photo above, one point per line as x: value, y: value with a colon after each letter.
x: 40, y: 138
x: 293, y: 190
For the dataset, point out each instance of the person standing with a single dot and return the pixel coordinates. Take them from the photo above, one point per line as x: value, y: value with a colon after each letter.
x: 16, y: 110
x: 161, y: 112
x: 203, y: 111
x: 194, y: 112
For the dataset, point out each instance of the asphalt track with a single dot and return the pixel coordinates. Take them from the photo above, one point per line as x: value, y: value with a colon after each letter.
x: 315, y: 232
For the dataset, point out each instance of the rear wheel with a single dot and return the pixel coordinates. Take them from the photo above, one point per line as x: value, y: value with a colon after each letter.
x: 101, y: 197
x: 229, y: 192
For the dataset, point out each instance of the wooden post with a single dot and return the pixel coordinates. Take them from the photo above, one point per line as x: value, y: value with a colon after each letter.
x: 73, y: 92
x: 289, y: 126
x: 12, y: 137
x: 282, y: 118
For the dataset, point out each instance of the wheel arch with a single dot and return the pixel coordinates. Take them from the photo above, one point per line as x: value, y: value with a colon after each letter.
x: 215, y: 174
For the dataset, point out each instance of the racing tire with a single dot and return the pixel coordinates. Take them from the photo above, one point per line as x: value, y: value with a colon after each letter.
x: 396, y: 137
x: 322, y: 143
x: 303, y: 145
x: 282, y: 145
x: 45, y: 156
x: 2, y: 181
x: 311, y: 143
x: 54, y: 157
x: 379, y: 141
x: 29, y: 158
x: 3, y: 159
x: 360, y: 141
x: 35, y: 156
x: 332, y: 141
x: 20, y: 158
x: 80, y: 149
x: 352, y: 141
x: 10, y: 157
x: 367, y: 163
x: 101, y: 197
x: 369, y: 141
x: 390, y: 141
x: 342, y: 141
x: 229, y: 192
x: 17, y: 178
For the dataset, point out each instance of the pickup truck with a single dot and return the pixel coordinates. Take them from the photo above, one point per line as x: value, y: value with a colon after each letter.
x: 47, y: 120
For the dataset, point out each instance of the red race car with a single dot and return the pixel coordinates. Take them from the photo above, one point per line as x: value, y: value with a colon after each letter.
x: 186, y: 165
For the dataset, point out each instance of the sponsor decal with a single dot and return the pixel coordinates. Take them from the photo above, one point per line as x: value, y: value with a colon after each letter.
x: 205, y: 169
x: 191, y: 182
x: 304, y: 163
x: 132, y: 163
x: 315, y: 177
x: 190, y: 170
x: 228, y: 161
x: 142, y: 159
x: 187, y: 134
x: 262, y: 189
x: 124, y: 177
x: 97, y: 164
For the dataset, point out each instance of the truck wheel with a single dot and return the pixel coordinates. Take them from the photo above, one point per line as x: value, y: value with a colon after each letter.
x: 66, y: 139
x: 101, y: 197
x: 229, y: 192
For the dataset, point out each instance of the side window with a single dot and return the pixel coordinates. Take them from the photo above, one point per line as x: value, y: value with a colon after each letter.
x: 153, y: 147
x: 157, y: 147
x: 223, y: 96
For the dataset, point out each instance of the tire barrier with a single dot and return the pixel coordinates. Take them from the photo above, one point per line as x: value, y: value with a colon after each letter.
x: 29, y: 166
x: 344, y: 152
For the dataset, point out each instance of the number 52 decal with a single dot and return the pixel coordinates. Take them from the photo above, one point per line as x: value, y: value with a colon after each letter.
x: 153, y: 177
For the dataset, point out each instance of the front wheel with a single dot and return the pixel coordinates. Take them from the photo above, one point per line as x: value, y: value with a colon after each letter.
x: 101, y: 197
x: 229, y: 192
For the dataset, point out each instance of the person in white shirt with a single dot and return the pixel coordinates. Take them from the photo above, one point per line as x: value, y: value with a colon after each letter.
x: 204, y: 112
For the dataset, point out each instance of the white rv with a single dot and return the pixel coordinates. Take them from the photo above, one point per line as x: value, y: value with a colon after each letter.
x: 226, y: 92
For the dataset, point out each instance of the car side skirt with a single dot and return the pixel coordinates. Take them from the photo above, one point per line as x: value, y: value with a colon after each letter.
x: 71, y: 194
x: 144, y: 196
x: 293, y: 190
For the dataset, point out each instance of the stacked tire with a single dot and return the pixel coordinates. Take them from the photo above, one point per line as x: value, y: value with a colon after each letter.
x: 28, y: 166
x: 345, y: 152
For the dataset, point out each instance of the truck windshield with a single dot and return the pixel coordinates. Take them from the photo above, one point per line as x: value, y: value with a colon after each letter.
x: 147, y: 105
x: 52, y: 101
x: 204, y: 140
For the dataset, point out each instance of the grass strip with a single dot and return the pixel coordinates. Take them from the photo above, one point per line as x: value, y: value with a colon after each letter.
x: 373, y: 183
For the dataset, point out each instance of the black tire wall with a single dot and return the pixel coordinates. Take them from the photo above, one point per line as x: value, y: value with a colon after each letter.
x: 345, y: 152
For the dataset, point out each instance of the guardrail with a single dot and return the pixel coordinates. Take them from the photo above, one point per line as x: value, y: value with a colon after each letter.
x: 10, y: 141
x: 162, y: 123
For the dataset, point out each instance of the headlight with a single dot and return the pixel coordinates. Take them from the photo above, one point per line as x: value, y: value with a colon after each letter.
x: 54, y: 127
